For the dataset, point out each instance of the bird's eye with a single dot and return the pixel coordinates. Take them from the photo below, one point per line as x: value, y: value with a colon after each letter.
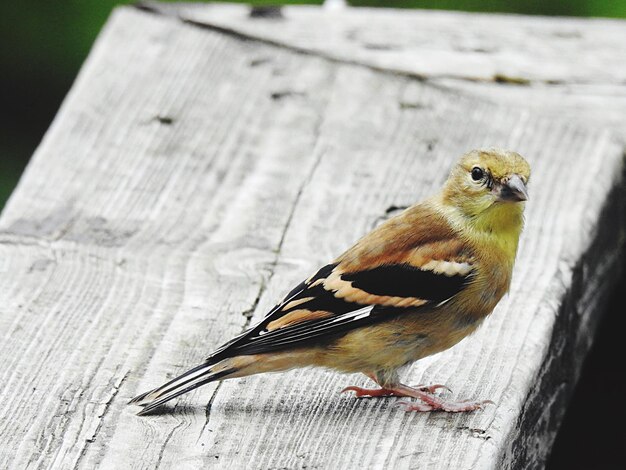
x: 477, y: 173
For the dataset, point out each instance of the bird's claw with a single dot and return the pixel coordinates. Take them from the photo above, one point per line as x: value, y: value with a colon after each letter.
x: 448, y: 406
x: 433, y: 388
x: 366, y: 392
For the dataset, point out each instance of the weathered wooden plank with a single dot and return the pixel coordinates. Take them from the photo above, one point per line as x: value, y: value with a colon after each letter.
x: 429, y: 43
x: 132, y: 244
x: 192, y: 177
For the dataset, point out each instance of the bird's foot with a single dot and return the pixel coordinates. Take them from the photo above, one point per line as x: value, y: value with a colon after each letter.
x: 429, y: 402
x: 436, y: 404
x: 393, y: 392
x: 425, y: 394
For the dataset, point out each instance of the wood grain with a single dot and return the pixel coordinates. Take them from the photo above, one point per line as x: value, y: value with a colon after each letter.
x: 192, y: 176
x: 504, y: 48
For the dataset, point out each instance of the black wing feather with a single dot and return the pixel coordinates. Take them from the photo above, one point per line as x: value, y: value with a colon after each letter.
x: 298, y: 292
x: 405, y: 280
x: 401, y: 280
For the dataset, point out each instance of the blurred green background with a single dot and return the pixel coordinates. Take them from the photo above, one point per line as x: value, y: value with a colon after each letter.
x: 44, y: 43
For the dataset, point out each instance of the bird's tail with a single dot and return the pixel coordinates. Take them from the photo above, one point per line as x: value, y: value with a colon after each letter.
x: 190, y: 380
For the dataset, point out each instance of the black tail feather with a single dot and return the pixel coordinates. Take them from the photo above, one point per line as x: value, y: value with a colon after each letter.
x: 180, y: 385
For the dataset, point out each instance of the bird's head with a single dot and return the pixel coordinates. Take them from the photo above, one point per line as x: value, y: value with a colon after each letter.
x: 488, y: 185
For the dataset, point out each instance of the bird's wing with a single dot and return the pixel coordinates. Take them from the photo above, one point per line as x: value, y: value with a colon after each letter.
x: 386, y: 274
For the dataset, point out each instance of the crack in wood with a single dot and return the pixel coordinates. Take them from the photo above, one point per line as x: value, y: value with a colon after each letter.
x: 100, y: 419
x: 207, y: 416
x: 157, y: 464
x: 249, y: 313
x: 497, y: 78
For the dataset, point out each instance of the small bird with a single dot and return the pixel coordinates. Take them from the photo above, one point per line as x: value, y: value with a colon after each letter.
x: 414, y: 286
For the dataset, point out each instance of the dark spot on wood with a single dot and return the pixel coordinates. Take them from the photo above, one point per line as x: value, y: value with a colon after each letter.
x: 40, y: 265
x: 568, y: 34
x: 410, y: 454
x: 167, y: 120
x: 259, y: 61
x: 483, y: 50
x: 98, y: 230
x: 55, y: 224
x: 379, y: 47
x: 266, y: 12
x: 477, y: 50
x: 279, y: 95
x: 412, y: 105
x: 352, y: 34
x: 501, y: 78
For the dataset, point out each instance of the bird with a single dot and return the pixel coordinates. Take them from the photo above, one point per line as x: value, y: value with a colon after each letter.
x: 416, y: 285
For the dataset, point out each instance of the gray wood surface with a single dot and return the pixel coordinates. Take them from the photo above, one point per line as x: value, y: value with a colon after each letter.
x: 204, y: 162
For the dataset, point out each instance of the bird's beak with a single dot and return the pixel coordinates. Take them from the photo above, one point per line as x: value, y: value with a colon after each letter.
x: 513, y: 190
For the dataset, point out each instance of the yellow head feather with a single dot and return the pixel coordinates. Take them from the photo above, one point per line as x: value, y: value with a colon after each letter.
x: 484, y: 195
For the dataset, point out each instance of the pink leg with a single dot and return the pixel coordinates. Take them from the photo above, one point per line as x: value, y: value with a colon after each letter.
x: 391, y: 392
x: 434, y: 403
x: 425, y: 394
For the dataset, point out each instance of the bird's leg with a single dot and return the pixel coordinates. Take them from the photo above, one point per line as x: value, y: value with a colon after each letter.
x: 391, y: 391
x: 431, y: 402
x: 425, y: 394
